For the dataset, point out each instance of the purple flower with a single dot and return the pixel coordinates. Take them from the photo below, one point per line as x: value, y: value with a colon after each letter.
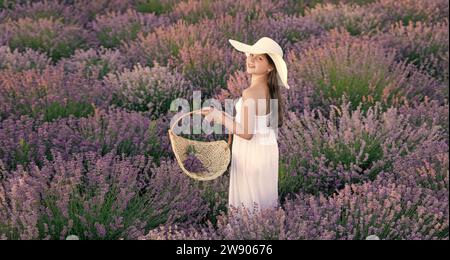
x: 192, y: 163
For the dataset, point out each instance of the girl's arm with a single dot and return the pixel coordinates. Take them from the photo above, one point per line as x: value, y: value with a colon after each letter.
x: 245, y: 129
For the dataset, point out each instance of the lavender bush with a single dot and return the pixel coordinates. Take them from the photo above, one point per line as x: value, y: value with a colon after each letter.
x: 49, y: 94
x: 49, y: 35
x: 94, y: 63
x: 156, y: 7
x: 269, y: 224
x: 362, y: 71
x: 88, y: 10
x: 45, y: 9
x: 377, y: 16
x: 165, y: 42
x: 429, y: 112
x: 391, y: 211
x: 411, y: 202
x: 424, y: 45
x: 206, y: 66
x: 355, y: 19
x: 426, y: 168
x: 229, y: 26
x: 412, y: 10
x: 215, y: 194
x: 93, y: 197
x: 113, y: 28
x: 193, y: 11
x: 28, y: 141
x: 20, y: 61
x: 287, y: 29
x: 300, y: 7
x: 147, y: 89
x: 321, y: 154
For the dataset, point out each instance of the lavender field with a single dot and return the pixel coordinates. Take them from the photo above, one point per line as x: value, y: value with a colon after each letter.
x: 85, y: 105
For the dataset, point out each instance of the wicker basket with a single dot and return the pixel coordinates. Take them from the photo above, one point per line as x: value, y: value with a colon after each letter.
x: 215, y: 155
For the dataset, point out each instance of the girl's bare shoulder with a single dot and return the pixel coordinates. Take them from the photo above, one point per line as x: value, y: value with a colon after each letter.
x: 253, y: 93
x: 255, y: 96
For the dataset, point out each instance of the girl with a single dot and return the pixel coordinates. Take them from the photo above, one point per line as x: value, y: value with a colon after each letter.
x: 254, y: 161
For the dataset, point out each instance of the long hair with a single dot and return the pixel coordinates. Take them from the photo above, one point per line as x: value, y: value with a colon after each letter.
x: 274, y: 91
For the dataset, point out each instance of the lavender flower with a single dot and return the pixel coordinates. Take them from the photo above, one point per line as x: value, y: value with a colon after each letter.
x: 192, y: 163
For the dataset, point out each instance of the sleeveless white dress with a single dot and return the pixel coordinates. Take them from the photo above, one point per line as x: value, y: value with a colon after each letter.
x: 254, y: 167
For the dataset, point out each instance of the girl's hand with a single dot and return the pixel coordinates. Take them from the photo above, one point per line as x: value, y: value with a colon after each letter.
x: 206, y: 110
x: 211, y: 114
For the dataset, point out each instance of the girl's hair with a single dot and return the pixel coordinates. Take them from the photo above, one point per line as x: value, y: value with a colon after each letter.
x: 274, y: 91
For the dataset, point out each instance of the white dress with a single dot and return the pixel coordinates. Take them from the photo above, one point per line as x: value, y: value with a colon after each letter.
x: 254, y: 167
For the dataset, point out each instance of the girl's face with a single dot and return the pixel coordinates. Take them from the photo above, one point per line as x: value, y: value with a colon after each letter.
x: 257, y: 64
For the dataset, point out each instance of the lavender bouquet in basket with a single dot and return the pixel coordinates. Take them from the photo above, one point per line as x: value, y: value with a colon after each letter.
x: 192, y: 163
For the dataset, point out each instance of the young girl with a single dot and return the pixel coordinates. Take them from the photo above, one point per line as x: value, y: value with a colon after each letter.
x: 254, y: 161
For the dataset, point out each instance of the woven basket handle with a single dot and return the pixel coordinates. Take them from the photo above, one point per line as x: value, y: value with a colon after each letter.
x: 192, y: 112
